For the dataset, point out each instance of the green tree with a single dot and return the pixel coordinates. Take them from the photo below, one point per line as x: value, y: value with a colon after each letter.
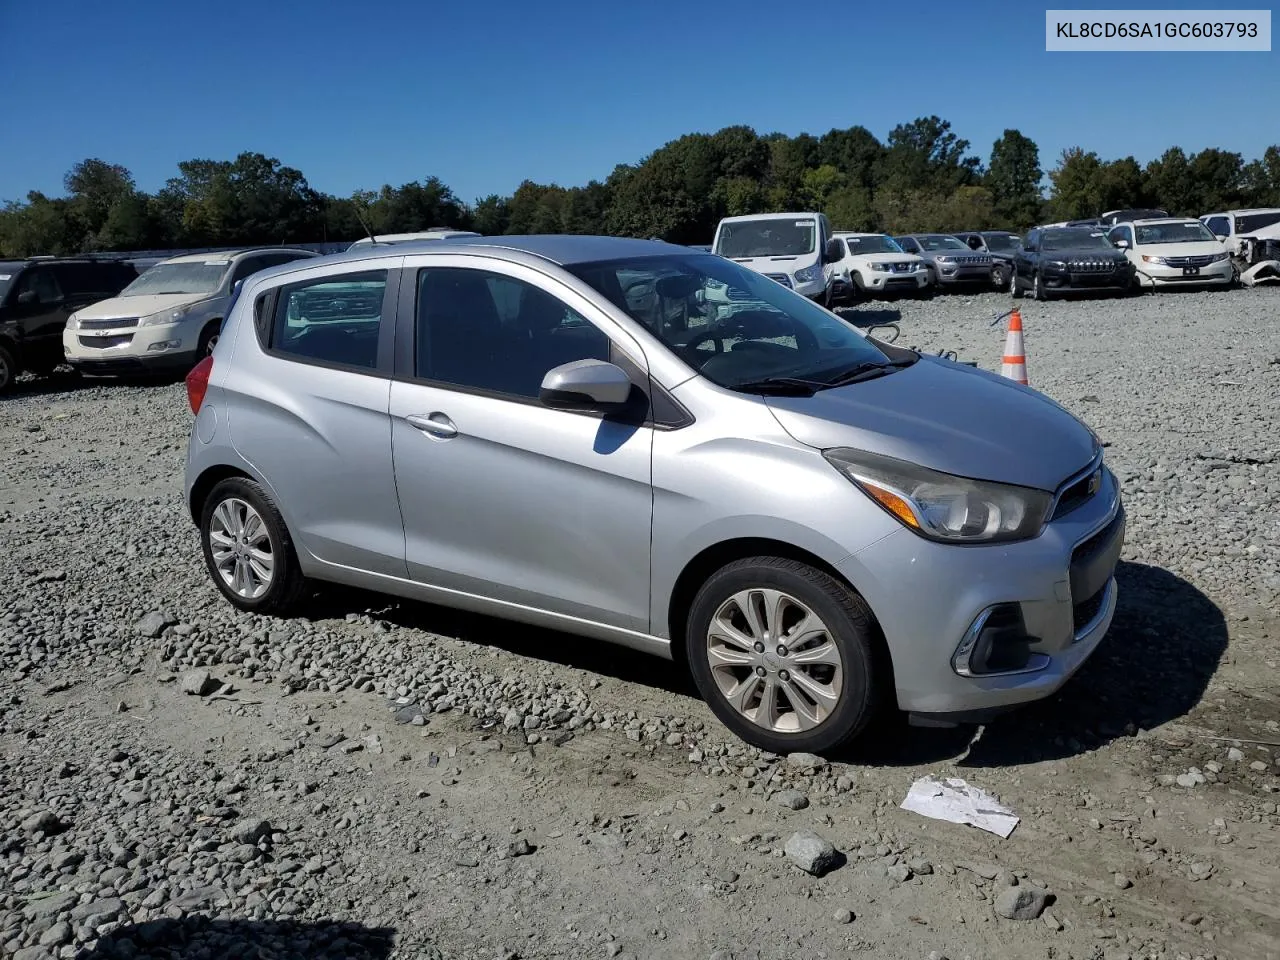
x: 1168, y: 182
x: 925, y: 154
x: 1077, y: 183
x: 93, y: 187
x: 1260, y: 179
x: 491, y: 215
x: 1013, y: 177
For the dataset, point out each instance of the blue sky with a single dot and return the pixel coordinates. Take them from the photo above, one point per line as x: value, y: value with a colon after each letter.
x: 486, y: 94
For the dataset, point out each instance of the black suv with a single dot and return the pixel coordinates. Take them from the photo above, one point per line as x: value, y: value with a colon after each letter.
x: 1001, y: 244
x: 1054, y: 260
x: 37, y: 296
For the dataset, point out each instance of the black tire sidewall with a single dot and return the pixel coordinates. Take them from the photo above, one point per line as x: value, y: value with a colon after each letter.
x: 285, y: 570
x: 8, y: 369
x: 843, y: 613
x: 211, y: 330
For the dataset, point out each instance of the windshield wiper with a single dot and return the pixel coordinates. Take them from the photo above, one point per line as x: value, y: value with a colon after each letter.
x: 868, y: 370
x: 782, y: 385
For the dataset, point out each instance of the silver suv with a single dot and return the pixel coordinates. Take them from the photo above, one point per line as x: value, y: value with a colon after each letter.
x: 656, y: 447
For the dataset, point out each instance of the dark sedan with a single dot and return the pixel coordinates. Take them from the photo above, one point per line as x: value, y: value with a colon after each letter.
x: 1058, y: 260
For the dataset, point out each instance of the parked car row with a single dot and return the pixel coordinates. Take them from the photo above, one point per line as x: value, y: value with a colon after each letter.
x: 101, y: 316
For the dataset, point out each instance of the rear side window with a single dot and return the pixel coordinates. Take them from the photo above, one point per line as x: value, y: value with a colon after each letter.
x: 332, y: 321
x: 1256, y: 221
x: 1219, y: 226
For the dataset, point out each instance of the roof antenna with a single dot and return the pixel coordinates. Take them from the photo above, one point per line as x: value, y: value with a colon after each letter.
x: 356, y: 207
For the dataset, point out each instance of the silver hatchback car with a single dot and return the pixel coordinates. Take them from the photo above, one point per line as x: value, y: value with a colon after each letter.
x: 656, y: 447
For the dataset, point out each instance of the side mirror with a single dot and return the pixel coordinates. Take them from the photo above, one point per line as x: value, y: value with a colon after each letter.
x: 1221, y: 236
x: 1121, y: 244
x: 593, y: 384
x: 27, y: 296
x: 832, y: 254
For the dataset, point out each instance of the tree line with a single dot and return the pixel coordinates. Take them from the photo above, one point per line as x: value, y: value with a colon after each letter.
x: 921, y: 177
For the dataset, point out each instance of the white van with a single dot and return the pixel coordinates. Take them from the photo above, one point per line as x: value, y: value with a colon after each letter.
x: 795, y: 249
x: 435, y: 233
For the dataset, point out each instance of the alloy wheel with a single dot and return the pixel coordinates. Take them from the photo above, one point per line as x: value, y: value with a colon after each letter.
x: 775, y: 661
x: 241, y: 548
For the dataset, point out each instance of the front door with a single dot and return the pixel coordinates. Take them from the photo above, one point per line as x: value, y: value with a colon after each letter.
x: 38, y: 304
x: 503, y: 497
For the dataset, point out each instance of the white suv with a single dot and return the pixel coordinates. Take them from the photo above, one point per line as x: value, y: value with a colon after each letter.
x: 875, y: 263
x: 1174, y: 251
x: 167, y: 319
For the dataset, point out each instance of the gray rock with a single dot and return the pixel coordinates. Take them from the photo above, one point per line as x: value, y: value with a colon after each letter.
x: 46, y: 821
x: 199, y: 683
x: 512, y: 720
x: 899, y: 873
x: 34, y: 953
x: 99, y: 908
x: 1235, y: 754
x: 920, y: 867
x: 806, y: 761
x: 811, y: 853
x: 153, y: 624
x: 1122, y: 882
x: 1023, y: 902
x: 56, y: 935
x: 196, y: 898
x: 791, y: 799
x: 51, y: 906
x: 252, y: 830
x: 843, y: 916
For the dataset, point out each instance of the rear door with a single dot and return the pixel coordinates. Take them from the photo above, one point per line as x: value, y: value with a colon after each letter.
x: 306, y: 398
x: 40, y: 306
x: 502, y: 497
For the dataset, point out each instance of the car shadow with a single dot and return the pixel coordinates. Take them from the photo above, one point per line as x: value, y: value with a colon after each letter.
x: 1164, y: 646
x: 535, y: 643
x: 201, y: 938
x: 69, y: 383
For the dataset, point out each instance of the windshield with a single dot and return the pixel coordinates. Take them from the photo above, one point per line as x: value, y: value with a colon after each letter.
x: 872, y: 244
x: 1078, y: 239
x: 942, y: 243
x: 1001, y: 241
x: 733, y: 325
x: 191, y: 276
x: 767, y: 238
x: 1192, y: 231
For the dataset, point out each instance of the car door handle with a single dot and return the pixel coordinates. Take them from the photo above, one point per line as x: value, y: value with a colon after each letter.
x: 436, y: 424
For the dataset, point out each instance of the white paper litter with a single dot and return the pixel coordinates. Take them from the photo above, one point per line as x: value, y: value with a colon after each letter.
x: 957, y: 802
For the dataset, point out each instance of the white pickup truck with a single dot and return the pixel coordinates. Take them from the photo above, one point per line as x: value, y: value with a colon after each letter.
x: 795, y: 249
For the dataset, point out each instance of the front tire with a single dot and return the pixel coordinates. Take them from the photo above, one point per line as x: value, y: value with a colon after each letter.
x: 1015, y: 291
x: 247, y: 548
x: 1037, y: 288
x: 784, y: 654
x: 208, y: 339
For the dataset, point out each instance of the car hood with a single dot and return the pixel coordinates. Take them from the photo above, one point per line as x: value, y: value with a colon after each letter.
x: 948, y: 417
x: 138, y: 306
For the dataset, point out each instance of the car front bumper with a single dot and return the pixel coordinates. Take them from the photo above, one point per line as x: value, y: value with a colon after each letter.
x: 1113, y: 282
x: 932, y: 599
x: 1157, y: 275
x: 889, y: 282
x: 131, y: 349
x: 978, y: 273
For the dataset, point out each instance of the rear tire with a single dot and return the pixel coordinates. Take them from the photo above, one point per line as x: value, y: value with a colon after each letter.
x: 8, y: 369
x: 812, y: 696
x: 247, y: 548
x: 1015, y: 291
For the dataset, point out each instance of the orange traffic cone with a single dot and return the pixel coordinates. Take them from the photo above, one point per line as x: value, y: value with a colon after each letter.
x: 1015, y: 358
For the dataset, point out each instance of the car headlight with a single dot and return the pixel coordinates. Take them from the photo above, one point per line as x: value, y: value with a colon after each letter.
x: 943, y: 259
x: 1149, y: 259
x: 165, y: 317
x: 942, y: 507
x: 1219, y: 257
x: 1056, y: 264
x: 73, y: 322
x: 880, y: 267
x: 809, y: 274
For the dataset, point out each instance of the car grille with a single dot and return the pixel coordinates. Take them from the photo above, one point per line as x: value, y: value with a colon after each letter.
x: 1086, y: 610
x: 1200, y: 261
x: 120, y: 323
x: 102, y: 343
x: 976, y: 260
x: 902, y: 267
x: 1078, y: 493
x: 1092, y: 266
x: 781, y: 278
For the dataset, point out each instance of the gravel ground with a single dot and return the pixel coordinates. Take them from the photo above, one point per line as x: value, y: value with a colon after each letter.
x: 384, y: 779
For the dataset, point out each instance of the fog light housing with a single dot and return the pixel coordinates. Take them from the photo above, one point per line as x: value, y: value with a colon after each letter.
x: 164, y: 345
x: 997, y: 643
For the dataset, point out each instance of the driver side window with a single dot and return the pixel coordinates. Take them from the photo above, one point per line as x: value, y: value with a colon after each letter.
x: 42, y: 283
